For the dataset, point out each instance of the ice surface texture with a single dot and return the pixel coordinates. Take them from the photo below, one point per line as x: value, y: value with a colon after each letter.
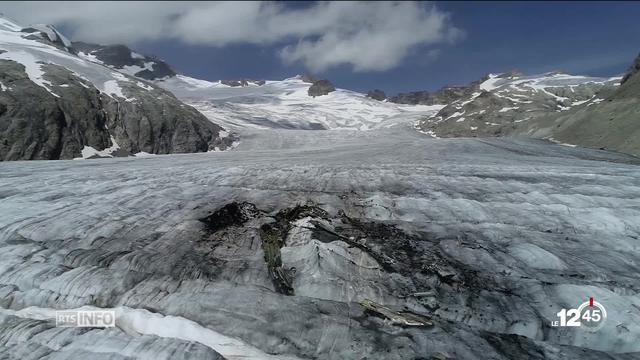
x: 490, y: 238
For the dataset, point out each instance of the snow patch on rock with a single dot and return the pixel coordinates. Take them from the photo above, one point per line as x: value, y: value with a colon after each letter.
x: 90, y: 152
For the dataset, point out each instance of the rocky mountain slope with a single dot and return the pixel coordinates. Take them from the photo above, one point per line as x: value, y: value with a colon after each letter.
x: 57, y: 105
x: 633, y: 70
x: 124, y: 60
x: 446, y: 95
x: 301, y: 102
x: 320, y: 88
x: 573, y: 110
x: 509, y: 103
x: 553, y: 106
x: 559, y: 107
x: 613, y: 123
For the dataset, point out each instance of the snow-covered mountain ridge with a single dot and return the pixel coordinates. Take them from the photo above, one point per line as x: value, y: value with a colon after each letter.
x: 285, y: 104
x: 124, y: 60
x: 239, y: 104
x: 573, y: 110
x: 57, y: 105
x: 508, y: 104
x: 500, y: 103
x: 496, y: 105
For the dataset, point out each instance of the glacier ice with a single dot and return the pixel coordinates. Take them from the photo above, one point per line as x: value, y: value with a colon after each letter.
x: 489, y: 238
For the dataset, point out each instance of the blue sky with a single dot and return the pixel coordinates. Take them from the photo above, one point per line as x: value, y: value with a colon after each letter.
x: 468, y: 40
x: 592, y: 38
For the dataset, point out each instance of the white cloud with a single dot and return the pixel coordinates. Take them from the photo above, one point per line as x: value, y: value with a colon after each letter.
x: 370, y: 36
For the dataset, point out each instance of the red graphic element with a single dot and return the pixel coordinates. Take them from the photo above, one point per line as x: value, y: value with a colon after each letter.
x: 590, y: 301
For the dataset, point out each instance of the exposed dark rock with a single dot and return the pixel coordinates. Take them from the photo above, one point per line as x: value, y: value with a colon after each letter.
x: 611, y: 124
x: 511, y: 345
x: 119, y: 56
x: 35, y: 124
x: 48, y: 34
x: 242, y: 82
x: 285, y: 217
x: 508, y: 74
x: 232, y: 214
x: 412, y: 98
x: 321, y: 87
x: 273, y: 236
x: 233, y: 83
x: 633, y: 69
x: 597, y: 114
x: 377, y: 94
x: 120, y: 153
x: 308, y: 78
x: 587, y: 112
x: 443, y: 96
x: 272, y: 242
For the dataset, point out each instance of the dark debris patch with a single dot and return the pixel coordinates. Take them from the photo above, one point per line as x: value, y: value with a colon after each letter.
x: 395, y: 250
x: 272, y: 242
x: 232, y: 214
x: 273, y: 236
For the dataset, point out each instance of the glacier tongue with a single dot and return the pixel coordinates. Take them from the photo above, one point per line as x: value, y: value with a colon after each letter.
x: 488, y: 238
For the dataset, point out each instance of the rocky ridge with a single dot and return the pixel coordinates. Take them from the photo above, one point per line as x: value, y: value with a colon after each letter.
x: 123, y: 59
x: 242, y: 82
x: 56, y: 105
x: 610, y: 123
x: 321, y: 87
x: 633, y: 69
x: 514, y: 104
x: 377, y: 94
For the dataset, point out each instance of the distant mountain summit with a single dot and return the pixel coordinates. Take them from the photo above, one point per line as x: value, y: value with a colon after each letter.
x: 242, y: 82
x: 503, y: 104
x: 287, y: 104
x: 62, y: 99
x: 609, y: 121
x: 377, y: 94
x: 442, y: 96
x: 49, y: 34
x: 633, y: 69
x: 123, y: 59
x: 573, y: 110
x: 320, y: 87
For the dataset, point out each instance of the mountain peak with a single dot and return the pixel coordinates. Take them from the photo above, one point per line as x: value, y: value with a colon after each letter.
x: 511, y: 74
x: 49, y: 33
x: 321, y: 87
x: 7, y: 23
x: 633, y: 69
x: 308, y: 78
x: 124, y: 59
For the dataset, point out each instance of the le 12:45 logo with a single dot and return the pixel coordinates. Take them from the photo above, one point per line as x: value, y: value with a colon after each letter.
x: 590, y: 315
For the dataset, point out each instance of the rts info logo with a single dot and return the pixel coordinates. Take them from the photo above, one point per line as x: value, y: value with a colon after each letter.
x: 86, y: 318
